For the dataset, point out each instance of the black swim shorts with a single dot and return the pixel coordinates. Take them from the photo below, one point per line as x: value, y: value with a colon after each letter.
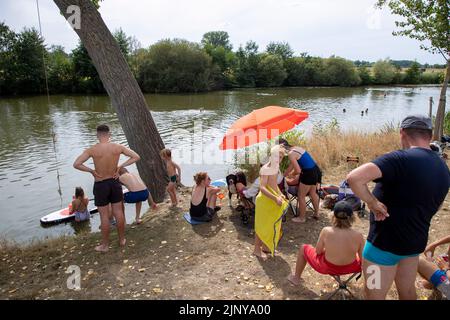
x: 107, y: 191
x: 311, y: 177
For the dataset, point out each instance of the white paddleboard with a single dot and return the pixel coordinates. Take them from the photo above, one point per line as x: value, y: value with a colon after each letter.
x: 63, y: 215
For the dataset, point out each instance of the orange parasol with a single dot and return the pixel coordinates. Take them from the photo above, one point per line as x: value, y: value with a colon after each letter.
x: 261, y: 125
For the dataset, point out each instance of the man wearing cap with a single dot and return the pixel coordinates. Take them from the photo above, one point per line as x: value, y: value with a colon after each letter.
x: 411, y: 185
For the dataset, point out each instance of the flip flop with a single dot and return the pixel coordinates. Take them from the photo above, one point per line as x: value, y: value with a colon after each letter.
x: 298, y: 220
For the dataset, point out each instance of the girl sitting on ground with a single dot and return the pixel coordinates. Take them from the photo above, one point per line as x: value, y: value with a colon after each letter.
x: 80, y: 206
x: 338, y: 250
x: 204, y: 197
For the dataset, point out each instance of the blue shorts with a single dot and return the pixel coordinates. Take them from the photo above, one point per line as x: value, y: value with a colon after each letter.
x: 383, y: 258
x: 134, y: 197
x: 438, y: 278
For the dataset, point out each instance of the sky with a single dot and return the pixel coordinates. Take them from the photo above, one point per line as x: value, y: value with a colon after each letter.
x: 352, y: 29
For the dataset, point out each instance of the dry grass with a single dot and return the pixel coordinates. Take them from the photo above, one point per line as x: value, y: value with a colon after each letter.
x: 331, y: 149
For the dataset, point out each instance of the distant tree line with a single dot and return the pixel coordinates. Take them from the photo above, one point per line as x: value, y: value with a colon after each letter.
x: 176, y: 65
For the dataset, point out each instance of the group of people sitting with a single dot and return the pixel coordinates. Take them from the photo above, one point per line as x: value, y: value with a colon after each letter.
x: 399, y: 221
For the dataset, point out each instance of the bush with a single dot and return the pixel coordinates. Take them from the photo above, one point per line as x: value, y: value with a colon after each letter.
x: 176, y: 66
x: 340, y: 72
x: 384, y: 72
x: 271, y: 72
x: 364, y: 75
x: 433, y: 77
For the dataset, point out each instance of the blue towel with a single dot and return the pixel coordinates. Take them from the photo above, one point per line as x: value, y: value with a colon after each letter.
x: 188, y: 218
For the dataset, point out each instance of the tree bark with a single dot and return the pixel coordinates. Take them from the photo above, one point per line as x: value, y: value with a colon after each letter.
x: 124, y: 92
x: 440, y: 113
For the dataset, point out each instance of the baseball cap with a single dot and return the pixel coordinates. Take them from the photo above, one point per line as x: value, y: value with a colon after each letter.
x: 417, y: 122
x: 343, y: 210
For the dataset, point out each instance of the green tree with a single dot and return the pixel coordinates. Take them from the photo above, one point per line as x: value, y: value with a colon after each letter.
x: 413, y: 74
x: 217, y: 39
x: 124, y: 42
x: 8, y: 39
x: 88, y: 79
x: 217, y: 46
x: 297, y: 73
x: 60, y: 71
x: 364, y: 75
x: 384, y: 72
x: 175, y: 66
x: 340, y: 72
x: 270, y: 72
x: 281, y: 49
x: 428, y: 22
x: 247, y: 61
x: 28, y: 65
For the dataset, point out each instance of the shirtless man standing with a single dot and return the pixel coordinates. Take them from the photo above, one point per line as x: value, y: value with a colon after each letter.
x: 107, y: 189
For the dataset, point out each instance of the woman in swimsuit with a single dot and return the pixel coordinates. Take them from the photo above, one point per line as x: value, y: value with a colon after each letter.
x: 204, y: 196
x: 301, y: 163
x: 80, y: 206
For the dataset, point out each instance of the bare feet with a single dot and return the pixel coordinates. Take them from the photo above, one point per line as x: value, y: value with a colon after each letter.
x: 294, y: 280
x: 101, y: 248
x: 260, y: 254
x: 123, y: 243
x: 138, y: 221
x: 298, y: 220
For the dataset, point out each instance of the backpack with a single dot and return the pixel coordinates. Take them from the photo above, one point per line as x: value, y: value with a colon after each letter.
x: 346, y: 193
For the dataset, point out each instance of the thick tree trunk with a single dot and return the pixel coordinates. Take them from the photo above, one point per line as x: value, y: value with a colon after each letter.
x: 123, y: 89
x: 440, y: 113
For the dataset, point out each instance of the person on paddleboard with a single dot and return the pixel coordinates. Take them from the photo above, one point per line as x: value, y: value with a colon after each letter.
x: 79, y: 206
x: 107, y: 188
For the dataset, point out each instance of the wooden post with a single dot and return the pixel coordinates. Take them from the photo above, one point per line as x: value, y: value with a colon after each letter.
x: 430, y: 112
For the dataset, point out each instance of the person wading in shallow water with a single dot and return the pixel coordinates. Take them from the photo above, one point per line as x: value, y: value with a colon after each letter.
x: 107, y: 189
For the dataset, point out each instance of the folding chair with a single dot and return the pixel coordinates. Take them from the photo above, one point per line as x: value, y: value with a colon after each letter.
x: 292, y: 196
x: 343, y: 285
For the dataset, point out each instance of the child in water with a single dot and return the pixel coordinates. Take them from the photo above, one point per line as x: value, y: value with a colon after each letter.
x: 174, y: 172
x: 80, y: 205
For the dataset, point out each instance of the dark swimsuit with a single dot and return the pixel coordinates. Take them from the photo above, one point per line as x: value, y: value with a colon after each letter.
x: 311, y: 174
x: 200, y: 212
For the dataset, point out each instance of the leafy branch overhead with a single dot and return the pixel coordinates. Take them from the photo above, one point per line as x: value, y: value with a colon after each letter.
x: 423, y: 20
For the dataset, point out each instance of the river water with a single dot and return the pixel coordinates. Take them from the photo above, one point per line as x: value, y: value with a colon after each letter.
x: 40, y: 140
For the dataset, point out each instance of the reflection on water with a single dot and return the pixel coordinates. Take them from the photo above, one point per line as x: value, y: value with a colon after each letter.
x: 29, y: 165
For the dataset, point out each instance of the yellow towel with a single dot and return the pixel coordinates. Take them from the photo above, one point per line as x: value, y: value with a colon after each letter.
x: 268, y: 219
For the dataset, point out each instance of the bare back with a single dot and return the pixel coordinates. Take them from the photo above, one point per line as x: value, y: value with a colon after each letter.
x: 132, y: 182
x: 106, y: 158
x: 342, y: 245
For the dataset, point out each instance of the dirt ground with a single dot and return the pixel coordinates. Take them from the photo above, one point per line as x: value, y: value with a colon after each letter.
x: 167, y: 258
